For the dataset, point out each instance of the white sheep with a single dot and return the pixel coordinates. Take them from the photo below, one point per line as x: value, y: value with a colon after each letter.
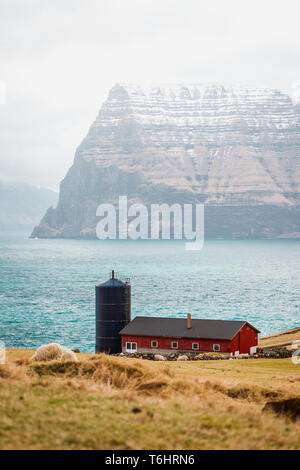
x: 158, y: 357
x: 53, y: 352
x: 182, y: 358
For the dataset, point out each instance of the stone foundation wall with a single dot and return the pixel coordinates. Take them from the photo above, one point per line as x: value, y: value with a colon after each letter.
x: 165, y: 352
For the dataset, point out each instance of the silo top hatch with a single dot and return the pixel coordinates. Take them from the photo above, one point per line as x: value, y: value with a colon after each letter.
x: 113, y: 282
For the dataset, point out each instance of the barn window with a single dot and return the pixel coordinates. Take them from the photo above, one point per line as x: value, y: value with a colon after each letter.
x: 154, y: 344
x: 195, y: 346
x: 216, y: 347
x: 174, y: 345
x: 131, y: 347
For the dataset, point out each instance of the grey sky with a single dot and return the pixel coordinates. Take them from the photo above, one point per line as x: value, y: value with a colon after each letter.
x: 59, y: 58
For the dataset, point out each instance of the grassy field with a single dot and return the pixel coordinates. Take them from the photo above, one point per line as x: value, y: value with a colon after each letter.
x: 106, y: 402
x: 283, y: 338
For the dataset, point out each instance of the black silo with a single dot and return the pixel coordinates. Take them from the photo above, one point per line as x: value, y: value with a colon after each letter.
x: 113, y: 312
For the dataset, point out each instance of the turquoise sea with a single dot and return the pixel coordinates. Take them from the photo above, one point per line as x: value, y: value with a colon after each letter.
x: 47, y: 287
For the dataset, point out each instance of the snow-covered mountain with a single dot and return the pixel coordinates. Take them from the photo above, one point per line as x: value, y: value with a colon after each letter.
x: 235, y: 148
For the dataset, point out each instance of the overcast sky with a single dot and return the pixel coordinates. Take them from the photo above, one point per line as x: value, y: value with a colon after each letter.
x: 59, y: 58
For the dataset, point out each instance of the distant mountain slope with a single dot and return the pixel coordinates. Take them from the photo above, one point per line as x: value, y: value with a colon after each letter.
x: 237, y: 149
x: 22, y: 205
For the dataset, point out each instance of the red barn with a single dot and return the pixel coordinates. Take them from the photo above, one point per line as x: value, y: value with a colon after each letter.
x: 165, y: 335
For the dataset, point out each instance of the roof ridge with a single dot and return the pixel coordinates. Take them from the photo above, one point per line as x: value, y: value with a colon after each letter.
x: 193, y: 318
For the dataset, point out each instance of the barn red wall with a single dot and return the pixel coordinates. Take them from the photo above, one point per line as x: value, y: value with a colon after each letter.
x: 183, y: 343
x: 244, y: 340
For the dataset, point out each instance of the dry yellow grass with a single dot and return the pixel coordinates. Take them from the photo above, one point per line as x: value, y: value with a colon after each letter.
x: 105, y: 402
x: 284, y: 338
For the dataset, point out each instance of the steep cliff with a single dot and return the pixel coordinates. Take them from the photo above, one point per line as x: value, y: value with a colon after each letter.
x: 237, y: 149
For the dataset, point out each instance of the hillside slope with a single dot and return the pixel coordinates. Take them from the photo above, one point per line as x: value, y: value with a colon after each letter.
x: 22, y: 205
x: 106, y: 402
x: 283, y: 338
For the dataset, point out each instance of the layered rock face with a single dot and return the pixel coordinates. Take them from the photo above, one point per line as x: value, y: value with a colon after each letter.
x: 236, y: 149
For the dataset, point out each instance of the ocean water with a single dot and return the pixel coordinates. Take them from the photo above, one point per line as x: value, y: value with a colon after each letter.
x: 47, y: 287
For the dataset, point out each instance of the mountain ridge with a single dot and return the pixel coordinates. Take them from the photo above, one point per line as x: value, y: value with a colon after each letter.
x: 229, y: 147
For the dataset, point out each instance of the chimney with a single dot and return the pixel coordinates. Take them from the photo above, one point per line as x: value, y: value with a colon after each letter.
x: 189, y: 321
x: 113, y: 274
